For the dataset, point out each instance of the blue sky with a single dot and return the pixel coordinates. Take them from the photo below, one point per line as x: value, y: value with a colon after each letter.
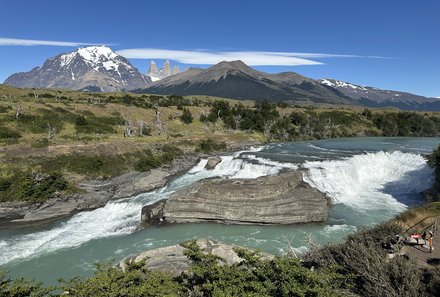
x: 387, y: 44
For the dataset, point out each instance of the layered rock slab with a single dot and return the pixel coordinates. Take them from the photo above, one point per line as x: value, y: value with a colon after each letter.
x: 270, y: 200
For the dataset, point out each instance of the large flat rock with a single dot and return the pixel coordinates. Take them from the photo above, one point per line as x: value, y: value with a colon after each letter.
x: 269, y: 200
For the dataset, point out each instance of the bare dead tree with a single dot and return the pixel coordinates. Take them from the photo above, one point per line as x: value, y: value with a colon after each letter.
x: 290, y: 249
x: 51, y: 131
x: 142, y: 128
x: 17, y: 111
x: 128, y: 129
x: 158, y: 123
x: 308, y: 127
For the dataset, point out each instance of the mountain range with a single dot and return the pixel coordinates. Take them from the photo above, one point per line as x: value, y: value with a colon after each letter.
x: 98, y: 68
x: 95, y: 68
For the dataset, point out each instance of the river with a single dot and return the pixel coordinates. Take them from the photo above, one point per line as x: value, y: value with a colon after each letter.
x: 369, y: 180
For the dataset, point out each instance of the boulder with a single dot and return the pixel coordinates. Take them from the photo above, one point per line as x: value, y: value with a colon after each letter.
x: 212, y: 163
x: 268, y: 200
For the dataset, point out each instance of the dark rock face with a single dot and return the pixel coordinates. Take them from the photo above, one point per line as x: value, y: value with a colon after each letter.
x: 95, y: 68
x: 212, y: 163
x: 172, y: 260
x: 269, y: 200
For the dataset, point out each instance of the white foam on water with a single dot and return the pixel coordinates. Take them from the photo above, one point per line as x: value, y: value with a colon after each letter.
x: 115, y: 218
x: 371, y: 181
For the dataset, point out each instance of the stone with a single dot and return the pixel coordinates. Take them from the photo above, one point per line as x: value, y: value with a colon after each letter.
x: 212, y: 163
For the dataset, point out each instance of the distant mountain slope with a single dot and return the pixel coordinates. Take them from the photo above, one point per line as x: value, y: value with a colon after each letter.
x: 374, y: 97
x: 95, y: 68
x: 238, y: 81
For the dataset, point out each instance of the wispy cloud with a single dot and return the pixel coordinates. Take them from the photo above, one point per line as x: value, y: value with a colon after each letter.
x: 253, y: 58
x: 31, y: 42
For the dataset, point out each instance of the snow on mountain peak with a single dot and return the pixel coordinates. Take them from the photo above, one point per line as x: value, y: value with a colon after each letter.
x: 96, y: 54
x: 341, y: 84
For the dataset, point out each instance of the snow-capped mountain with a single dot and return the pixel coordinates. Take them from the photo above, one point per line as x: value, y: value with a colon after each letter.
x: 374, y: 97
x: 94, y: 68
x: 154, y: 74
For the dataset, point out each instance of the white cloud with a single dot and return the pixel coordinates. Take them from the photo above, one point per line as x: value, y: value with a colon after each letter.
x: 253, y: 58
x: 31, y: 42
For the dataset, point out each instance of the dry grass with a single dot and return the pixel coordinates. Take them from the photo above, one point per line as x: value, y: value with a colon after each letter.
x: 415, y: 220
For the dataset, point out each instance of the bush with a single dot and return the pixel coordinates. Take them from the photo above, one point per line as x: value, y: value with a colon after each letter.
x: 209, y: 145
x: 363, y: 256
x: 147, y: 161
x: 22, y: 287
x: 40, y: 143
x: 186, y: 116
x: 31, y: 187
x: 7, y: 133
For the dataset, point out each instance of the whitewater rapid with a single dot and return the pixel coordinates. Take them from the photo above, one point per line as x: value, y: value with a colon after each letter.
x: 371, y: 181
x: 367, y: 182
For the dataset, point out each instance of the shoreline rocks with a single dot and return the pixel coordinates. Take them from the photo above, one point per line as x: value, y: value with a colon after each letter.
x: 96, y: 194
x: 270, y: 200
x: 171, y: 259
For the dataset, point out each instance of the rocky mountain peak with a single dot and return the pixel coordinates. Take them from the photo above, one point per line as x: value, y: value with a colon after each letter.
x: 88, y: 68
x: 154, y: 74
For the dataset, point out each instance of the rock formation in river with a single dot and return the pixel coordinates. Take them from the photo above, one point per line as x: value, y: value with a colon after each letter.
x: 212, y: 163
x: 269, y: 200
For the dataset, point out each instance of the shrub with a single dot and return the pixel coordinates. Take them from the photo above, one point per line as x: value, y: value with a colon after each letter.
x: 7, y: 133
x: 147, y: 161
x: 31, y: 187
x: 209, y: 145
x: 186, y: 116
x: 40, y: 143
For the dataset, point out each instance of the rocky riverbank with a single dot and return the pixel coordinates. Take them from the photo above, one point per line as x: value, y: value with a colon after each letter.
x: 171, y: 259
x: 96, y: 193
x: 269, y: 200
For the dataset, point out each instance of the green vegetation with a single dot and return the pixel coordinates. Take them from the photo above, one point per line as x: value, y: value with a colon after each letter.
x: 311, y: 123
x: 186, y: 116
x: 209, y: 145
x: 31, y: 186
x: 433, y: 160
x: 43, y: 177
x: 7, y: 133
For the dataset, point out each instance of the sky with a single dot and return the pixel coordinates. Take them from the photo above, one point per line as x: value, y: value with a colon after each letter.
x: 386, y: 44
